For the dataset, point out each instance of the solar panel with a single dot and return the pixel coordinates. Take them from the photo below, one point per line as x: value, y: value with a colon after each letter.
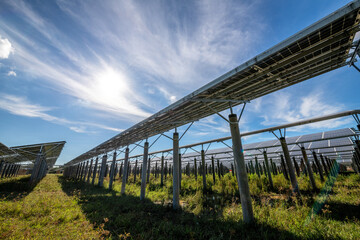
x: 51, y: 151
x: 339, y: 133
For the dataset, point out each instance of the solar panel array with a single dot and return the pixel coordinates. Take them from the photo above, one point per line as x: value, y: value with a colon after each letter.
x: 331, y: 143
x: 51, y: 151
x: 10, y: 155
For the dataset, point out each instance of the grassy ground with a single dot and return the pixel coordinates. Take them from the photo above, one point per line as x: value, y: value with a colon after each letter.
x: 93, y: 212
x: 43, y: 211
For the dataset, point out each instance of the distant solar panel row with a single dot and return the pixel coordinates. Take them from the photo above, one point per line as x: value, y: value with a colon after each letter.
x: 28, y: 153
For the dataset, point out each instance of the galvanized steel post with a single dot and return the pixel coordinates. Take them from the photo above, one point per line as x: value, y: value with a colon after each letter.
x: 241, y: 174
x: 176, y: 173
x: 290, y: 166
x: 144, y: 170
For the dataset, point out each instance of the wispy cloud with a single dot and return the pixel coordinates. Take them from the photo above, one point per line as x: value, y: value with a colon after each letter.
x: 122, y: 48
x: 20, y: 106
x: 5, y: 47
x: 283, y: 107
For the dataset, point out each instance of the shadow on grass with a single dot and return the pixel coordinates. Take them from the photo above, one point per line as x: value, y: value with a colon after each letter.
x: 15, y: 188
x: 342, y: 211
x: 127, y: 216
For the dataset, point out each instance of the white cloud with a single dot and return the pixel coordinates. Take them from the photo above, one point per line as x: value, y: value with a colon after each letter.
x: 21, y: 107
x: 282, y: 107
x: 12, y: 73
x: 5, y: 48
x: 123, y: 48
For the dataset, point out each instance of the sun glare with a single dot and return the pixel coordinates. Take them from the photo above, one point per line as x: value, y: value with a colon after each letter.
x: 110, y: 86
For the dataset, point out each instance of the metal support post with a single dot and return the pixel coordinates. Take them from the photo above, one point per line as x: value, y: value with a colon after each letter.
x: 86, y: 170
x: 90, y: 170
x: 148, y: 171
x: 6, y: 165
x: 297, y: 169
x: 268, y: 169
x: 195, y: 169
x: 318, y: 166
x: 124, y: 176
x: 218, y: 168
x: 135, y: 172
x: 213, y: 168
x: 203, y: 169
x: 293, y: 179
x: 112, y: 171
x: 95, y: 171
x: 36, y: 167
x: 176, y: 173
x: 1, y: 165
x: 257, y: 167
x: 324, y: 165
x: 180, y: 172
x: 283, y: 166
x: 144, y: 171
x: 308, y: 168
x: 162, y: 171
x: 241, y: 174
x: 102, y: 171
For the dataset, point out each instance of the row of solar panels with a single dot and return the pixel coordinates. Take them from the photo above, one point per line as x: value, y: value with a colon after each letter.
x: 335, y: 143
x: 27, y: 153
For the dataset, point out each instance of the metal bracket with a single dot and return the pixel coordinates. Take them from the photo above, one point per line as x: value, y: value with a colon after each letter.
x: 167, y: 136
x: 155, y: 141
x: 216, y: 112
x: 226, y: 144
x: 281, y: 135
x: 186, y: 130
x: 357, y: 119
x: 195, y: 150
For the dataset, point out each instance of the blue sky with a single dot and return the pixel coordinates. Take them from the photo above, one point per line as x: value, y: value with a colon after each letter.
x: 83, y: 71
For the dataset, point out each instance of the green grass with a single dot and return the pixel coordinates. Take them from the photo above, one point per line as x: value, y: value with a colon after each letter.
x: 41, y: 212
x: 88, y: 212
